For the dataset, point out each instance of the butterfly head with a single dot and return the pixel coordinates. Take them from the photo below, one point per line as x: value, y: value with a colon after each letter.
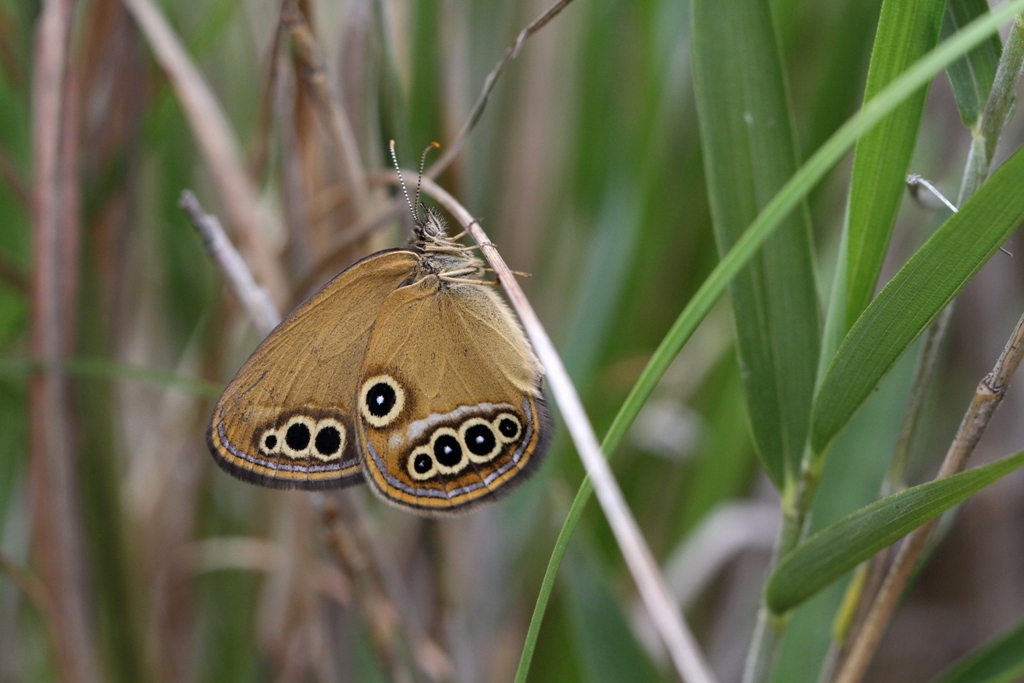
x: 430, y: 226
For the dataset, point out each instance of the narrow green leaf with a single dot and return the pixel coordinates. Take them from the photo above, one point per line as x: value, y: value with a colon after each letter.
x: 830, y: 553
x: 848, y: 481
x: 971, y: 76
x: 102, y: 368
x: 749, y: 153
x: 906, y: 31
x: 915, y: 296
x: 606, y: 646
x: 1000, y: 661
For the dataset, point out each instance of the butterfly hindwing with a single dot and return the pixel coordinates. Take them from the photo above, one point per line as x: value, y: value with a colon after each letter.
x: 287, y: 418
x: 451, y: 410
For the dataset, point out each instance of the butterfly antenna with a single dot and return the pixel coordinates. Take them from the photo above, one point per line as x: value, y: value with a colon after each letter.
x: 405, y: 190
x: 423, y: 163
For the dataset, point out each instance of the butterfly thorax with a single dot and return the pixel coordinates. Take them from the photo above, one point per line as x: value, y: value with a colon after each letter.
x: 443, y: 256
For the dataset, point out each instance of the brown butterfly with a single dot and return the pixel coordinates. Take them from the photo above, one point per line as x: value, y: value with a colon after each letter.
x: 405, y: 370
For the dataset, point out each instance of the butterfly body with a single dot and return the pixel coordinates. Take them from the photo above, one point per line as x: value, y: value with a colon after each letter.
x: 405, y: 371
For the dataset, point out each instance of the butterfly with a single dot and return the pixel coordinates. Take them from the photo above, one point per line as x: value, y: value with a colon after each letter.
x: 407, y: 371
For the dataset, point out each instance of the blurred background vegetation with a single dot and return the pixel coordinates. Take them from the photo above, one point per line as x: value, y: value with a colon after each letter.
x: 587, y: 171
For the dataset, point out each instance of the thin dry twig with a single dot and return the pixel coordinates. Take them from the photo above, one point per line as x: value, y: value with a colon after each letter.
x: 455, y: 147
x: 987, y: 397
x: 216, y: 141
x: 254, y: 554
x: 378, y: 612
x: 254, y: 298
x: 350, y: 536
x: 258, y: 151
x: 55, y: 209
x: 430, y: 657
x: 352, y: 234
x: 332, y: 114
x: 679, y: 641
x: 369, y: 223
x: 30, y: 585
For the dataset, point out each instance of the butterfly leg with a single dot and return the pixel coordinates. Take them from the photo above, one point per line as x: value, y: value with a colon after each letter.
x: 465, y: 281
x: 514, y: 272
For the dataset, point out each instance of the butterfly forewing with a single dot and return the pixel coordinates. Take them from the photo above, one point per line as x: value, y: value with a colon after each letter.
x: 287, y: 419
x: 450, y: 407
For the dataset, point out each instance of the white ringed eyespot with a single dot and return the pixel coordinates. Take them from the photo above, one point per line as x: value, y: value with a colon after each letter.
x: 297, y: 435
x: 508, y: 427
x: 381, y: 400
x: 479, y: 439
x: 270, y: 442
x: 447, y: 450
x: 329, y: 440
x: 421, y: 465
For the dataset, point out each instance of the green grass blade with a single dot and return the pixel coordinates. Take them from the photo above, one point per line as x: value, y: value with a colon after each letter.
x: 786, y: 200
x: 906, y: 31
x: 849, y: 481
x: 101, y: 368
x: 606, y: 646
x: 1000, y: 661
x: 971, y: 76
x: 832, y: 552
x: 915, y: 296
x: 749, y: 153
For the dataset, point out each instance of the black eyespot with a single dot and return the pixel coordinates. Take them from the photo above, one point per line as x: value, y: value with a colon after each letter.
x: 480, y: 440
x: 328, y: 440
x: 297, y: 436
x: 421, y: 463
x: 380, y: 399
x: 270, y: 442
x: 508, y: 427
x: 447, y: 450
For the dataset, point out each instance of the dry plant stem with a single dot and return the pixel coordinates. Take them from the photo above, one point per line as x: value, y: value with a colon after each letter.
x: 254, y: 298
x: 352, y: 540
x: 455, y: 147
x: 987, y: 397
x: 427, y: 654
x: 331, y: 113
x: 356, y: 232
x: 680, y: 643
x: 261, y: 140
x: 216, y: 141
x: 55, y: 211
x: 30, y: 585
x: 380, y: 613
x: 396, y: 206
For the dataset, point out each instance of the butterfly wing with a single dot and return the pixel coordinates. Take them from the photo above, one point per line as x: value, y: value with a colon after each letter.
x: 286, y: 419
x: 450, y: 405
